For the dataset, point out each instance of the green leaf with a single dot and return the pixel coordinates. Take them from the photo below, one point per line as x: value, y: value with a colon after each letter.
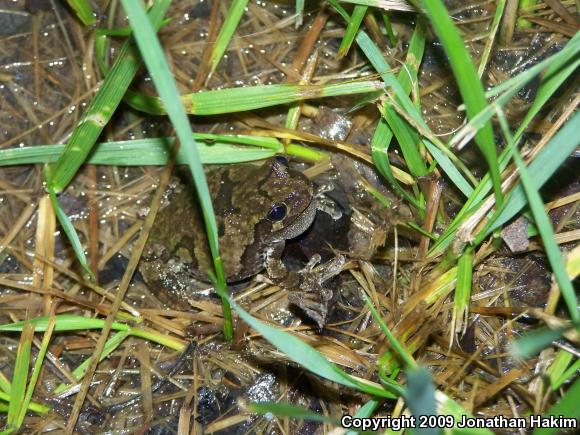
x: 462, y: 292
x: 218, y: 101
x: 158, y: 68
x: 83, y: 11
x: 18, y: 387
x: 566, y: 407
x: 470, y: 86
x: 358, y: 15
x: 544, y: 226
x: 290, y: 410
x: 534, y: 342
x: 64, y: 322
x: 70, y: 232
x: 233, y: 17
x: 311, y: 359
x: 420, y: 397
x: 100, y: 110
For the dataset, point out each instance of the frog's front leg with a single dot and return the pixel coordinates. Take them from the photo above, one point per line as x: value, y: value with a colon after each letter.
x: 306, y: 286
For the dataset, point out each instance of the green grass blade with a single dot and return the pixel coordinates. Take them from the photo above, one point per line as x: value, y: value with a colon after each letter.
x: 64, y: 322
x: 393, y: 5
x: 389, y: 28
x: 542, y: 168
x: 100, y: 110
x: 379, y: 150
x: 311, y: 359
x: 34, y: 407
x: 547, y: 233
x: 470, y: 86
x: 241, y: 99
x: 557, y: 370
x: 534, y: 342
x: 497, y: 16
x: 35, y: 372
x: 234, y: 15
x: 290, y: 410
x: 566, y: 406
x: 299, y: 12
x: 83, y: 11
x: 420, y: 396
x: 462, y: 293
x: 406, y: 136
x: 18, y: 387
x: 70, y: 232
x: 78, y: 373
x: 447, y: 406
x: 220, y: 149
x: 158, y: 68
x: 568, y: 374
x: 396, y: 345
x: 364, y: 411
x: 353, y: 26
x: 443, y: 157
x: 449, y: 168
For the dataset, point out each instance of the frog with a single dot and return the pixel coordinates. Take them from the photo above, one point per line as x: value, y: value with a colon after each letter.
x: 258, y: 207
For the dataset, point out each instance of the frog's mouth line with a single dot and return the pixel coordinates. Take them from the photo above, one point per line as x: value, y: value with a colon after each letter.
x: 300, y: 224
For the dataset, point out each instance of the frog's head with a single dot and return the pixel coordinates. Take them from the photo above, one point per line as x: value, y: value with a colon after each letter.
x: 290, y: 200
x: 257, y: 208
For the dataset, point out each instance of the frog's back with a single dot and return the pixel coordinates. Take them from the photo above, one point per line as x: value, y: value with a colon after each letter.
x: 243, y: 196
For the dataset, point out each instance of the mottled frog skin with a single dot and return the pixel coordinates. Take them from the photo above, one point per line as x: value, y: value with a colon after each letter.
x: 257, y: 208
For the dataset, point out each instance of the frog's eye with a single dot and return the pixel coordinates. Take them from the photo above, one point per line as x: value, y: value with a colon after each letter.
x: 277, y: 212
x: 281, y: 159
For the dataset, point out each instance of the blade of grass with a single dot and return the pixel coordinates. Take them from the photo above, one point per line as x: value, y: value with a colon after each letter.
x: 500, y: 7
x: 18, y: 387
x: 535, y: 341
x: 567, y: 407
x: 393, y: 5
x: 420, y: 396
x: 64, y: 322
x: 396, y: 345
x: 545, y: 227
x: 70, y: 322
x: 443, y: 158
x: 154, y: 151
x: 83, y: 11
x: 312, y: 360
x: 558, y: 367
x: 542, y: 168
x: 78, y: 373
x: 290, y: 410
x: 364, y: 411
x: 36, y: 371
x: 389, y: 29
x: 34, y: 407
x: 233, y: 17
x: 241, y: 99
x: 100, y: 110
x: 70, y: 232
x: 567, y: 375
x: 158, y: 68
x: 470, y: 86
x: 353, y: 26
x: 299, y: 12
x: 462, y: 293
